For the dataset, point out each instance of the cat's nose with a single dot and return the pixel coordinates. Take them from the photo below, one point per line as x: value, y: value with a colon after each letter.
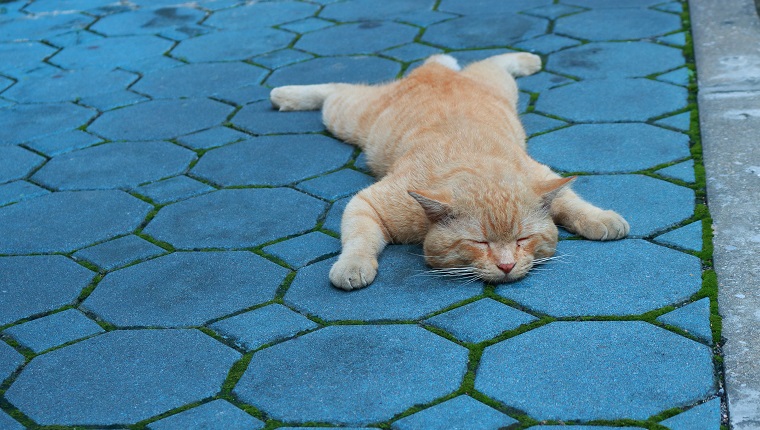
x: 506, y: 268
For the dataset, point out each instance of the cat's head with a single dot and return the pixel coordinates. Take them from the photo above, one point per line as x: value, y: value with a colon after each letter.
x: 492, y: 231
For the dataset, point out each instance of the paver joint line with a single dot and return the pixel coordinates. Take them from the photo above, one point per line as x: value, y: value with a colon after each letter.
x: 166, y: 236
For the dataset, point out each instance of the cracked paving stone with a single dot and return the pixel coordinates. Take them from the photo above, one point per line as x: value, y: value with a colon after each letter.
x: 694, y: 318
x: 461, y: 412
x: 612, y: 100
x: 596, y: 370
x: 185, y: 289
x: 479, y: 31
x: 609, y: 148
x: 198, y: 80
x: 28, y: 291
x: 362, y: 38
x: 65, y: 221
x: 272, y: 160
x: 54, y: 330
x: 114, y: 165
x: 121, y: 377
x: 119, y: 252
x: 241, y: 218
x: 256, y: 328
x: 626, y: 277
x: 375, y: 372
x: 398, y: 292
x: 214, y: 415
x: 231, y: 45
x: 160, y: 119
x: 16, y: 162
x: 20, y: 123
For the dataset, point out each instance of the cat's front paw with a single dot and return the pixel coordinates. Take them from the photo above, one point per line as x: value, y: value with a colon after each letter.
x: 602, y: 225
x: 352, y: 273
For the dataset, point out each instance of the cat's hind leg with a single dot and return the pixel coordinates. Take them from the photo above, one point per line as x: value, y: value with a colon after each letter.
x: 303, y: 97
x: 499, y: 72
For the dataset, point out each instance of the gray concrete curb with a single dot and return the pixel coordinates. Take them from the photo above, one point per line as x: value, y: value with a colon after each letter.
x: 727, y: 49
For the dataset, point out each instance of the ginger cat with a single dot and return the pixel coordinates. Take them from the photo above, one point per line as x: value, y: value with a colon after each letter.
x: 448, y: 149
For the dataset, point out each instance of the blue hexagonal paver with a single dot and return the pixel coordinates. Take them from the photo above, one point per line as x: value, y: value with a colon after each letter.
x: 687, y: 237
x: 214, y: 415
x: 10, y: 360
x: 20, y: 123
x: 62, y: 86
x: 547, y: 44
x: 307, y: 25
x: 676, y: 77
x: 19, y: 190
x: 411, y: 52
x: 17, y: 162
x: 172, y: 22
x: 112, y: 52
x: 109, y: 101
x: 693, y: 318
x: 702, y: 417
x: 232, y: 45
x: 160, y: 119
x: 282, y: 57
x: 481, y: 320
x: 608, y: 278
x: 65, y: 221
x: 261, y: 326
x: 564, y: 427
x: 649, y: 205
x: 25, y: 55
x: 682, y: 171
x: 54, y: 330
x: 173, y: 189
x: 121, y: 377
x: 535, y: 123
x: 27, y: 290
x: 612, y: 100
x: 676, y: 39
x: 302, y: 250
x: 608, y: 148
x: 119, y: 252
x: 114, y: 165
x: 362, y: 38
x: 272, y: 160
x: 185, y: 289
x: 63, y: 142
x: 479, y: 31
x: 338, y: 69
x: 260, y: 118
x: 623, y: 60
x: 462, y: 412
x: 261, y: 15
x: 337, y: 184
x: 368, y: 10
x: 196, y: 80
x: 483, y: 7
x: 542, y: 81
x: 402, y: 290
x: 335, y: 215
x: 605, y: 4
x: 242, y: 218
x: 374, y: 373
x: 617, y: 24
x: 682, y: 121
x: 600, y: 370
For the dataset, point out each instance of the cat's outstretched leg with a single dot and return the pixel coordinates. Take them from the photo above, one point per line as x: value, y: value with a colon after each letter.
x: 302, y: 97
x: 363, y: 238
x: 581, y: 217
x: 499, y: 72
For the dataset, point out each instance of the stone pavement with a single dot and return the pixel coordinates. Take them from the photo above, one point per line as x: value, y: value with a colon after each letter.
x: 165, y: 236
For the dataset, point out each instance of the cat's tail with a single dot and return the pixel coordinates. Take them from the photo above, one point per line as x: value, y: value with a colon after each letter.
x: 301, y: 97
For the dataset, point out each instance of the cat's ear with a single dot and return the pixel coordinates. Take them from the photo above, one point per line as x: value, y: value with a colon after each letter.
x: 436, y: 205
x: 549, y: 189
